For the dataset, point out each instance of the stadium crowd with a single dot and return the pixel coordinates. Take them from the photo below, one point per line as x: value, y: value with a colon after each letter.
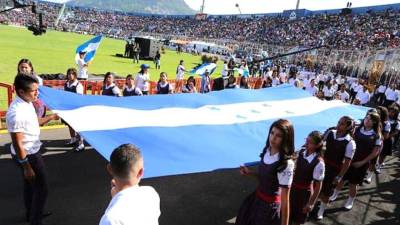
x: 357, y: 32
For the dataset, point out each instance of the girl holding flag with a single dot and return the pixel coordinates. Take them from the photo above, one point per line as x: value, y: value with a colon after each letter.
x: 269, y: 204
x: 308, y: 176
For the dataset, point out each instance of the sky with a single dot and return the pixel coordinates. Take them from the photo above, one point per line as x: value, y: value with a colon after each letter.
x: 268, y: 6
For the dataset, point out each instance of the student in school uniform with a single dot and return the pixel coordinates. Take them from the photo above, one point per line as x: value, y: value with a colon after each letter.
x: 130, y: 89
x: 342, y: 94
x: 25, y: 67
x: 328, y: 91
x: 190, y: 86
x: 73, y: 85
x: 390, y: 141
x: 384, y: 116
x: 142, y: 79
x: 309, y: 173
x: 368, y: 140
x: 163, y: 87
x: 340, y: 148
x: 109, y: 87
x: 269, y: 204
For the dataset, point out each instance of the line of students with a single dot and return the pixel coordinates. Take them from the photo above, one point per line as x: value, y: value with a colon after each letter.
x: 290, y: 184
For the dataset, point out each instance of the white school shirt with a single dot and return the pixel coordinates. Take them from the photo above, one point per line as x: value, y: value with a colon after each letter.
x: 344, y: 96
x: 142, y: 81
x: 381, y: 89
x: 137, y: 205
x: 285, y: 177
x: 180, y: 72
x: 21, y: 117
x: 312, y: 90
x: 350, y: 147
x: 319, y: 169
x: 328, y: 92
x: 391, y: 94
x: 79, y: 87
x: 224, y: 71
x: 82, y: 69
x: 363, y: 97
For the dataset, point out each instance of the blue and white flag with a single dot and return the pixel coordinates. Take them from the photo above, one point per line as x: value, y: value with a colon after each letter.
x: 89, y: 47
x: 188, y: 133
x: 210, y: 67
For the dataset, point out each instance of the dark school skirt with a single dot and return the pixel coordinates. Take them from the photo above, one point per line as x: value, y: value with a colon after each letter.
x: 356, y: 175
x: 255, y: 211
x: 298, y: 200
x: 327, y: 185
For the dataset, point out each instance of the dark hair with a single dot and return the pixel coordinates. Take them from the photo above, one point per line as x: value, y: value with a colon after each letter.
x: 377, y: 125
x: 349, y: 124
x: 286, y: 150
x: 129, y: 76
x: 191, y: 78
x: 27, y: 61
x: 162, y: 73
x: 123, y: 158
x: 317, y: 139
x: 396, y: 111
x: 72, y: 70
x: 383, y: 113
x: 106, y: 76
x: 24, y: 82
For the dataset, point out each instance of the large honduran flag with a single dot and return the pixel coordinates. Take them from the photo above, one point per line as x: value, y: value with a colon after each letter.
x: 187, y: 133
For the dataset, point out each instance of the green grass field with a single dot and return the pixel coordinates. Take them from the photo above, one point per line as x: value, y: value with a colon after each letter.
x: 54, y: 52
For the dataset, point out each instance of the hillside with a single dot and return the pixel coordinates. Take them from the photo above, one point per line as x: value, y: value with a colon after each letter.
x: 164, y: 7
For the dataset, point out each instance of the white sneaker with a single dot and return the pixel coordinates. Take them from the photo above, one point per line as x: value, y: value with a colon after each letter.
x: 349, y: 203
x: 378, y: 169
x: 334, y: 196
x: 368, y: 179
x: 320, y: 213
x: 79, y: 148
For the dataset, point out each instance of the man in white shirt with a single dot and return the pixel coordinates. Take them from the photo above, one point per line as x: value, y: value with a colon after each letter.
x: 82, y: 67
x: 363, y: 96
x: 391, y: 95
x: 180, y: 71
x: 130, y: 203
x: 380, y: 95
x: 342, y: 94
x: 23, y: 127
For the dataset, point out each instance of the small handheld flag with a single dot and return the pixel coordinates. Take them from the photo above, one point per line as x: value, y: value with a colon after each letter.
x: 89, y: 48
x: 210, y: 67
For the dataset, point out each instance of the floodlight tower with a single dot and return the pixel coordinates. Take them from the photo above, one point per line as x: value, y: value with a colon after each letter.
x: 237, y: 6
x: 298, y: 4
x: 202, y: 7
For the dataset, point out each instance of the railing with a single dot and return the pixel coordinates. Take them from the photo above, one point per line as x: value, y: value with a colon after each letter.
x: 96, y: 86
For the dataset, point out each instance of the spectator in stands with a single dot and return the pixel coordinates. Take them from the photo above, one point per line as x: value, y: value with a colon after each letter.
x: 391, y: 95
x: 363, y: 96
x: 190, y: 86
x: 73, y: 85
x: 25, y: 67
x: 231, y: 82
x: 205, y: 83
x: 244, y: 82
x: 163, y: 86
x: 380, y: 94
x: 142, y: 79
x: 130, y: 89
x: 82, y: 67
x: 312, y: 89
x: 342, y: 94
x: 130, y: 203
x: 109, y: 87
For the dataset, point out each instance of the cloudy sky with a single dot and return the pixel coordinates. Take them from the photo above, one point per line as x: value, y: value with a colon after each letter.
x: 266, y: 6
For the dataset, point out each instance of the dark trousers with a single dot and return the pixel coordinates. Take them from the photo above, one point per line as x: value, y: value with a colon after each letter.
x: 352, y: 96
x: 35, y: 191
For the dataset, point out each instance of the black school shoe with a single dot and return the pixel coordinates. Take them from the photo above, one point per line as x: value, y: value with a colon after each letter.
x: 44, y: 215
